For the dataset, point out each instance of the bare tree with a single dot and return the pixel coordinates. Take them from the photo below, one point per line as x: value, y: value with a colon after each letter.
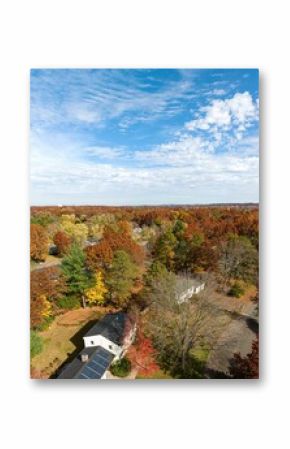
x: 238, y: 260
x: 176, y: 328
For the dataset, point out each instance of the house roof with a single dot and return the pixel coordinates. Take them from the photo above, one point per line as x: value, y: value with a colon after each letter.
x: 184, y: 283
x: 99, y: 360
x: 112, y: 327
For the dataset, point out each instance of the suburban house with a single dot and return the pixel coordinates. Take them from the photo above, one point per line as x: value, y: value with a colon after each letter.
x: 107, y: 341
x: 187, y: 287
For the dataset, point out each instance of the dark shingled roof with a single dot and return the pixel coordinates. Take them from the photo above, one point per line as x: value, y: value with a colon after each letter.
x: 112, y: 327
x: 98, y: 362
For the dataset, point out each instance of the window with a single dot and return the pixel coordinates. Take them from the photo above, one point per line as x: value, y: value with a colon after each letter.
x: 110, y: 347
x: 92, y: 342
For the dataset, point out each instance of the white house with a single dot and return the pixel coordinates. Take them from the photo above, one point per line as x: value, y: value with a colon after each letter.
x: 106, y: 342
x: 187, y: 287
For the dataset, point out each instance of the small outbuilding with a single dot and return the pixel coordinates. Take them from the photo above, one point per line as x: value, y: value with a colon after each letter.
x: 187, y: 287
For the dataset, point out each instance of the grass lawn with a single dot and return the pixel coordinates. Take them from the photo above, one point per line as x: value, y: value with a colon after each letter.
x: 63, y: 338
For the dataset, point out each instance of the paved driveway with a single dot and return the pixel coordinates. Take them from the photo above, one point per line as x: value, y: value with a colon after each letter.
x: 237, y: 337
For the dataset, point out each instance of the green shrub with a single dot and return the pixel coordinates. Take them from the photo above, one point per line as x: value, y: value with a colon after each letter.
x: 68, y: 302
x: 121, y: 368
x: 236, y: 290
x: 36, y: 344
x: 43, y: 219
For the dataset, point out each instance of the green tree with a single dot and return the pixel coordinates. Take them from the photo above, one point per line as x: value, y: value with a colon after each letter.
x: 121, y: 368
x: 164, y: 250
x: 156, y: 271
x: 179, y: 228
x: 77, y: 277
x: 183, y: 259
x: 42, y: 218
x: 120, y: 278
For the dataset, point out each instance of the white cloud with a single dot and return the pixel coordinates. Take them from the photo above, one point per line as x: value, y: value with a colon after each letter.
x: 83, y: 112
x: 184, y: 171
x: 80, y: 96
x: 185, y: 150
x: 218, y: 92
x: 223, y: 166
x: 242, y: 107
x: 240, y: 110
x: 104, y: 152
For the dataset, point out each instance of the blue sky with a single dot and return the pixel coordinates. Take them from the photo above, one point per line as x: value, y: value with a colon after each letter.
x: 147, y: 136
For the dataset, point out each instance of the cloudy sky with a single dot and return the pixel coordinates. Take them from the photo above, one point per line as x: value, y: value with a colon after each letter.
x: 120, y: 137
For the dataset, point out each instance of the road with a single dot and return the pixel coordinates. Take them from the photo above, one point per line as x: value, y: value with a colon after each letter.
x: 43, y: 265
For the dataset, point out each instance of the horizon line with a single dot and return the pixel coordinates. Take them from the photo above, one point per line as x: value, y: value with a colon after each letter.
x: 149, y: 205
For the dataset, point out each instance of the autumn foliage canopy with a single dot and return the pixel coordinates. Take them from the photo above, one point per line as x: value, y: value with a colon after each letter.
x: 38, y: 242
x: 142, y: 355
x: 62, y: 242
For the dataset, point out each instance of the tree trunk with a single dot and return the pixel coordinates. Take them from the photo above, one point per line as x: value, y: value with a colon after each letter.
x: 84, y: 301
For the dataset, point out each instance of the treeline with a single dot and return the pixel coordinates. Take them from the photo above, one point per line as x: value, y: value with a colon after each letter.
x: 141, y: 214
x: 214, y: 221
x: 95, y: 249
x: 132, y: 257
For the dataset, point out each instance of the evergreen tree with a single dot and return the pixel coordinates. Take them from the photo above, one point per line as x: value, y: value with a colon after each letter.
x: 182, y: 255
x: 77, y: 278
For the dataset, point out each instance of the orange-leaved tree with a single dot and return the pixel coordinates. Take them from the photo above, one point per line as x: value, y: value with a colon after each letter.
x: 62, y: 242
x: 142, y: 355
x: 99, y: 256
x: 46, y: 286
x: 38, y: 242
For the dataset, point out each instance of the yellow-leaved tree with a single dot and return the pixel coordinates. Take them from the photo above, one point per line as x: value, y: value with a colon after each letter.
x: 46, y: 307
x: 96, y: 294
x: 77, y: 231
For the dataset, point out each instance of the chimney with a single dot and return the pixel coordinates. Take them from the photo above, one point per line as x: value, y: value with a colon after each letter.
x: 84, y: 358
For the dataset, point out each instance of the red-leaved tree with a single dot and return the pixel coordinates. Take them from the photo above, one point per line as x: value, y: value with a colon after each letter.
x: 246, y: 367
x: 142, y: 356
x: 62, y: 242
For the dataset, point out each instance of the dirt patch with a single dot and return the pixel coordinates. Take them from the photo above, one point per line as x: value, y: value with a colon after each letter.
x: 80, y: 316
x: 242, y: 305
x: 51, y: 261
